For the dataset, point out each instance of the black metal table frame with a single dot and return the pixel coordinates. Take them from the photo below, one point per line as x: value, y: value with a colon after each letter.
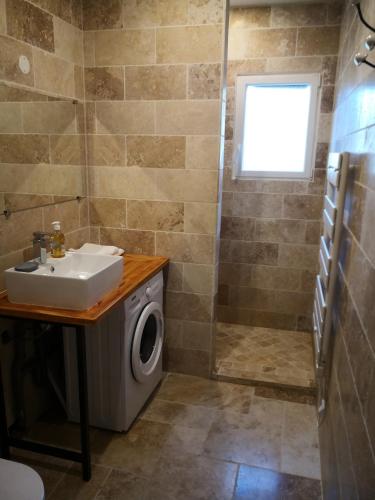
x: 84, y: 456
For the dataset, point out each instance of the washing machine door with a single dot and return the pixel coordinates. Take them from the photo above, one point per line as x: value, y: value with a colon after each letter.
x: 147, y: 342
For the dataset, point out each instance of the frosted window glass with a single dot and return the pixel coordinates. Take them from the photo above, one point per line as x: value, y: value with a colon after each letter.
x: 275, y: 127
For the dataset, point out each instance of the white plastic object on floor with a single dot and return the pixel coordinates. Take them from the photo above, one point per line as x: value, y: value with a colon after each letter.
x: 19, y: 482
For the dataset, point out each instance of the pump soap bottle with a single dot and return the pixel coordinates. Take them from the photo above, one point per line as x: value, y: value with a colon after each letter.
x: 57, y: 241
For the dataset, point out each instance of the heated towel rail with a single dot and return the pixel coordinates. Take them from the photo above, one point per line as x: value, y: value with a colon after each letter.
x: 337, y: 173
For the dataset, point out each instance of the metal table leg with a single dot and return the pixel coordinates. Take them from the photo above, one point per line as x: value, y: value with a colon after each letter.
x: 83, y: 402
x: 4, y: 436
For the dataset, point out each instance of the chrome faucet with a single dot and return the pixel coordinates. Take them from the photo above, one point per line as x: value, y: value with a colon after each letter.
x: 40, y: 243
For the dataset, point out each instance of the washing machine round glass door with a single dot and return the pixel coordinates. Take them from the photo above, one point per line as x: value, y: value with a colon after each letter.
x: 147, y: 342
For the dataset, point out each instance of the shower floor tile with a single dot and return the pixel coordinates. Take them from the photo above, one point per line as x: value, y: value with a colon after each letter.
x: 265, y: 355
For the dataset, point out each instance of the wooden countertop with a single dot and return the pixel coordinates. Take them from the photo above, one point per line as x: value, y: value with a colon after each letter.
x: 137, y: 270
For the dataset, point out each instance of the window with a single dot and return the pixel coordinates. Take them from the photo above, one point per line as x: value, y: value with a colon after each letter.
x: 275, y: 122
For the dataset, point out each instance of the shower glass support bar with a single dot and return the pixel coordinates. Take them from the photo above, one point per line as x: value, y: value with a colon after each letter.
x: 8, y: 212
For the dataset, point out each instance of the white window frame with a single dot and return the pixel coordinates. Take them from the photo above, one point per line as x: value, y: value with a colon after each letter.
x: 242, y: 81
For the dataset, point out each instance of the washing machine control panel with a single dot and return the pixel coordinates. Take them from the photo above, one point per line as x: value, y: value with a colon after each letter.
x: 148, y: 292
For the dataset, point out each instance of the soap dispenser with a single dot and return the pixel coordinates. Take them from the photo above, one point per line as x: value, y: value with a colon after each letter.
x: 57, y: 241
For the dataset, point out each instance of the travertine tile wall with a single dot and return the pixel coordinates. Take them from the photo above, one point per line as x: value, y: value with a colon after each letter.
x: 347, y: 434
x: 152, y: 82
x: 270, y: 229
x: 42, y: 141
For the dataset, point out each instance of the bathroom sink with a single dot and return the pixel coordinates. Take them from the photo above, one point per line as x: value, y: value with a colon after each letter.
x: 77, y: 281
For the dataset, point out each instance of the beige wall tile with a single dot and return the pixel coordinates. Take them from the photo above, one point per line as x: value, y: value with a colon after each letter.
x: 3, y: 24
x: 24, y: 149
x: 124, y: 47
x: 53, y: 117
x: 29, y: 24
x: 188, y: 117
x: 200, y: 218
x: 202, y: 152
x: 43, y: 179
x: 318, y: 41
x: 79, y: 82
x: 67, y: 149
x: 104, y: 84
x: 68, y: 41
x: 151, y: 13
x: 257, y: 205
x: 180, y: 305
x: 324, y: 127
x: 155, y: 215
x: 108, y: 212
x: 187, y: 185
x: 188, y: 44
x: 280, y: 231
x: 125, y: 117
x: 174, y: 275
x: 298, y: 256
x: 60, y: 8
x: 190, y: 361
x: 329, y: 70
x: 156, y: 151
x: 53, y: 74
x: 90, y: 118
x: 122, y: 182
x: 10, y: 118
x: 138, y: 242
x: 206, y: 11
x: 244, y: 67
x: 77, y: 238
x: 16, y: 235
x: 10, y: 51
x: 302, y: 207
x: 238, y: 228
x: 198, y: 278
x: 289, y: 64
x: 106, y: 150
x: 89, y: 48
x: 246, y: 44
x: 275, y: 278
x: 155, y: 82
x: 186, y: 247
x: 256, y: 17
x: 102, y: 14
x: 204, y: 81
x: 196, y: 335
x: 66, y: 213
x: 298, y: 15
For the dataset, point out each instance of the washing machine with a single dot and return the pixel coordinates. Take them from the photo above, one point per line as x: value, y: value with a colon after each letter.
x: 124, y: 359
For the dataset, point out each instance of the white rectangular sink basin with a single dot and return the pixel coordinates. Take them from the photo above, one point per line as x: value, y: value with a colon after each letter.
x: 77, y: 281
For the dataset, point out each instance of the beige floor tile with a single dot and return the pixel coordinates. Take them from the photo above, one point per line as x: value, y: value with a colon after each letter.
x: 208, y: 393
x: 190, y: 478
x: 137, y: 451
x: 171, y: 412
x: 123, y: 485
x: 300, y: 442
x: 253, y: 439
x: 265, y: 354
x: 187, y: 444
x: 140, y: 449
x: 72, y: 486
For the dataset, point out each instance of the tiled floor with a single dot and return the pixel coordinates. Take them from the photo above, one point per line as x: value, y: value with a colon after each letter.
x: 264, y: 354
x: 198, y: 439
